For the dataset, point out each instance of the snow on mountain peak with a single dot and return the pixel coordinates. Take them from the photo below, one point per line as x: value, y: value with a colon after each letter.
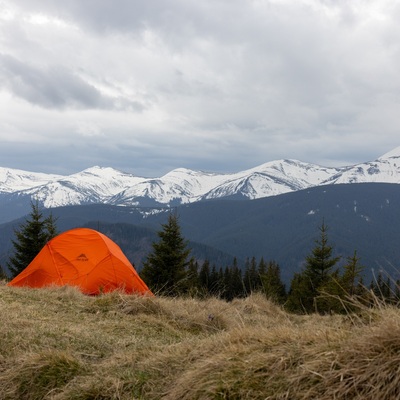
x: 102, y: 172
x: 107, y: 185
x: 12, y: 180
x: 395, y: 153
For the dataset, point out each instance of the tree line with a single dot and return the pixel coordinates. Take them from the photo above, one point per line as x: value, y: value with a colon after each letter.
x: 321, y: 286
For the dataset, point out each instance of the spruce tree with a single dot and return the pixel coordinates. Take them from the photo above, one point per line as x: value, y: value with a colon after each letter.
x: 273, y: 287
x: 214, y: 282
x: 164, y: 270
x: 31, y: 238
x: 382, y: 288
x: 251, y: 278
x: 234, y: 285
x: 314, y: 277
x: 204, y: 278
x: 299, y: 298
x: 340, y: 290
x: 352, y: 274
x: 192, y: 278
x: 320, y: 262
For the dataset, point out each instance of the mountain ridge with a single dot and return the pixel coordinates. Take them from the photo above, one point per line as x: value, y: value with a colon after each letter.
x: 183, y: 186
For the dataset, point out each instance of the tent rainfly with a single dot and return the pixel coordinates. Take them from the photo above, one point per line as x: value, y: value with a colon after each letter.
x: 84, y: 258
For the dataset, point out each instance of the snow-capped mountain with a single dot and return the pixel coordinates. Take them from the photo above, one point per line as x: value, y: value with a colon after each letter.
x: 14, y: 180
x: 386, y: 169
x: 93, y: 185
x: 180, y: 186
x: 271, y: 179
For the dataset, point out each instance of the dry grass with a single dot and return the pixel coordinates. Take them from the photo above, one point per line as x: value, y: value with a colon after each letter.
x: 59, y: 344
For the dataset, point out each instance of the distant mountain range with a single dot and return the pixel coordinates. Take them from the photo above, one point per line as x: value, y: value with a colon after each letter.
x: 180, y: 186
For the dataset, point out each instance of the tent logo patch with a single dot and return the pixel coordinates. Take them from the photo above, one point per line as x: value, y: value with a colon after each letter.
x: 82, y: 257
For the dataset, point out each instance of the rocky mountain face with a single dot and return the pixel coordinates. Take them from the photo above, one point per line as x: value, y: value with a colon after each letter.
x: 182, y: 186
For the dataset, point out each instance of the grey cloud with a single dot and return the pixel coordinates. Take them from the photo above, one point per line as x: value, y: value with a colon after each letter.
x: 53, y: 87
x: 56, y: 87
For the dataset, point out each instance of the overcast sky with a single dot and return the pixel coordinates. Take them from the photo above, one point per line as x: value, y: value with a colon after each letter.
x: 146, y: 86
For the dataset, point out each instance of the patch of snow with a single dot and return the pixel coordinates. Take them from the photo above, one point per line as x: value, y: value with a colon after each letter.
x: 395, y: 153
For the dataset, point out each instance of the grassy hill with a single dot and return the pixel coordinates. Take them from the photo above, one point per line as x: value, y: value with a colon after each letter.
x: 59, y: 344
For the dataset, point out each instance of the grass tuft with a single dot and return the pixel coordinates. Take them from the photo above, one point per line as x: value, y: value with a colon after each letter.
x: 37, y: 376
x: 59, y: 344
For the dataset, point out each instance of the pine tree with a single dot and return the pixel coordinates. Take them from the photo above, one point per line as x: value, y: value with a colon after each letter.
x: 204, y: 278
x: 164, y: 270
x: 214, y: 282
x: 251, y: 278
x: 388, y: 293
x: 314, y: 277
x: 320, y: 262
x: 227, y: 289
x: 352, y: 272
x: 339, y: 292
x: 234, y: 286
x: 333, y: 296
x: 378, y: 286
x: 31, y: 238
x: 300, y: 299
x: 383, y: 288
x: 273, y: 287
x: 262, y: 267
x: 50, y: 226
x: 192, y: 280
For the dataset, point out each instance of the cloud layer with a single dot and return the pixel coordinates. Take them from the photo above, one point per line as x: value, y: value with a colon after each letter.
x: 148, y: 86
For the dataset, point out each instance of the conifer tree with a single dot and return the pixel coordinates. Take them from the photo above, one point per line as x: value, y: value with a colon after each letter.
x: 214, y: 282
x: 273, y: 287
x: 192, y: 280
x: 314, y: 277
x: 388, y: 290
x: 227, y: 280
x: 30, y: 239
x: 382, y: 288
x: 233, y: 282
x: 221, y: 282
x: 320, y: 262
x: 164, y: 270
x: 377, y: 284
x: 262, y: 267
x: 238, y: 289
x: 234, y: 286
x: 352, y: 274
x: 251, y: 278
x: 204, y: 278
x: 299, y: 298
x: 339, y: 291
x: 51, y: 226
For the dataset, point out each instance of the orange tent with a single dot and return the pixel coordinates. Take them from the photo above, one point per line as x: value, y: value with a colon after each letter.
x: 84, y: 258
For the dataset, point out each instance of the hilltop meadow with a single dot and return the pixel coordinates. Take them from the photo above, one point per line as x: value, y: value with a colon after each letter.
x: 57, y: 343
